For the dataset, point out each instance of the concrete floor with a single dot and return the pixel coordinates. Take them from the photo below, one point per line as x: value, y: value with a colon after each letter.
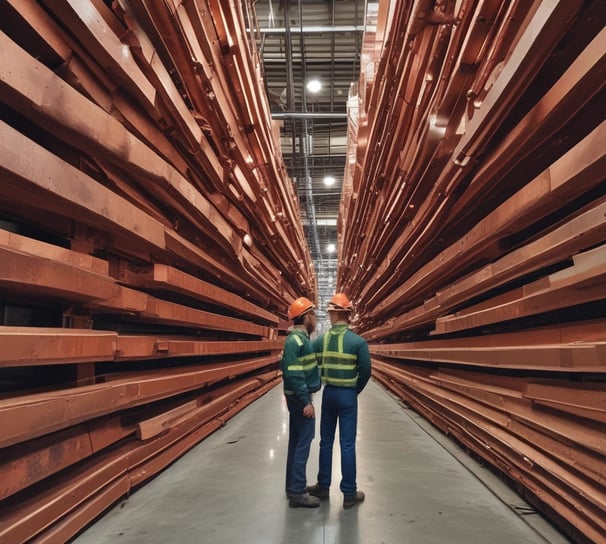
x: 420, y: 489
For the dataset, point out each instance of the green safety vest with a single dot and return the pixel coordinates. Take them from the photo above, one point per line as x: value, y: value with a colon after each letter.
x: 299, y: 366
x: 338, y: 367
x: 305, y: 362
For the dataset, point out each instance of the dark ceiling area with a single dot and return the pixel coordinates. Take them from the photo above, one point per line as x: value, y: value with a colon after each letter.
x: 299, y: 42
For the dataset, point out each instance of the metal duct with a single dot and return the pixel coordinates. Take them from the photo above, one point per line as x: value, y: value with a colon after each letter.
x: 309, y: 115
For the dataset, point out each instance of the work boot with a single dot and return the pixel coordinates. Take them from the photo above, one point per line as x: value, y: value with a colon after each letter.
x: 319, y: 491
x: 305, y: 500
x: 352, y: 500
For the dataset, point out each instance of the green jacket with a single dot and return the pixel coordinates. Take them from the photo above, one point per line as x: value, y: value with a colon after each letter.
x: 299, y: 366
x: 343, y: 357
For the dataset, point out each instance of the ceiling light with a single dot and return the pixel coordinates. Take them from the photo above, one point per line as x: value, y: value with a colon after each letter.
x: 330, y: 248
x: 314, y: 86
x: 329, y: 181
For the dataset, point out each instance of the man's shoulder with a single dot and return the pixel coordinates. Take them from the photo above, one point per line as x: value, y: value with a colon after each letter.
x: 298, y: 337
x: 355, y: 337
x: 353, y: 334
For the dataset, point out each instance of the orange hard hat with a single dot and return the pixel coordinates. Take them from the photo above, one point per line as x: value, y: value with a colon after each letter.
x: 340, y: 303
x: 299, y: 307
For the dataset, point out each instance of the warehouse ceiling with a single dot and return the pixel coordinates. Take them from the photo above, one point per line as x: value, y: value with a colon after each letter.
x: 300, y: 42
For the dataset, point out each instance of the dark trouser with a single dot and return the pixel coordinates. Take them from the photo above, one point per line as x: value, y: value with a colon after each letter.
x: 339, y: 404
x: 300, y: 434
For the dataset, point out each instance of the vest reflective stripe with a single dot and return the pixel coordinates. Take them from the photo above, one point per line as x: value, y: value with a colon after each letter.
x: 337, y: 366
x: 340, y: 366
x: 299, y: 366
x: 306, y: 362
x: 339, y: 342
x: 337, y: 355
x: 309, y: 357
x: 342, y: 382
x: 304, y: 367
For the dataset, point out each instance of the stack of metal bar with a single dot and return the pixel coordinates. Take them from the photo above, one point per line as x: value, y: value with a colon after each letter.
x: 150, y: 242
x: 473, y: 235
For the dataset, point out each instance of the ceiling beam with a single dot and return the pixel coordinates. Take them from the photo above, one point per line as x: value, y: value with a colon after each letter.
x: 309, y: 115
x: 314, y: 29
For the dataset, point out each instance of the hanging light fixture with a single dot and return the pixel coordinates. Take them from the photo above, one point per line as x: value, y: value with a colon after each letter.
x: 314, y: 85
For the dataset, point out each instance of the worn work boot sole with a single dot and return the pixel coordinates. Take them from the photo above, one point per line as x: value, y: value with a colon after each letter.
x: 352, y: 500
x: 303, y: 501
x: 318, y: 491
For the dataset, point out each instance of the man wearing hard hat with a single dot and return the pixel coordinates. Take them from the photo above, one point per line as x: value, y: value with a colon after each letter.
x: 301, y: 378
x: 345, y: 368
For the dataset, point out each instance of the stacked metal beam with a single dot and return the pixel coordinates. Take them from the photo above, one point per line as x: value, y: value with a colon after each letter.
x: 473, y: 234
x: 150, y: 242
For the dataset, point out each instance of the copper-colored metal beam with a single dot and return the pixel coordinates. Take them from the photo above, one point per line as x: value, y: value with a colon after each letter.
x: 471, y: 235
x: 518, y: 211
x: 165, y: 277
x: 585, y: 400
x: 24, y: 346
x: 75, y: 194
x: 34, y: 415
x: 139, y: 137
x: 24, y: 465
x: 14, y: 242
x: 580, y: 232
x: 488, y: 430
x: 64, y: 507
x: 575, y: 285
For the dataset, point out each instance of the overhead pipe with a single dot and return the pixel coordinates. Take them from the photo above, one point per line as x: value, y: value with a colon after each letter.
x: 290, y: 85
x: 332, y: 67
x: 317, y: 29
x: 309, y: 115
x: 305, y: 143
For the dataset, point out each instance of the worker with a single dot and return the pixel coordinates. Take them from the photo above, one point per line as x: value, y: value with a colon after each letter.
x: 345, y: 367
x: 301, y: 379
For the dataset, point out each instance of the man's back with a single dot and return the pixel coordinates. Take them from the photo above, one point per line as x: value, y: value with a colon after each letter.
x: 343, y: 357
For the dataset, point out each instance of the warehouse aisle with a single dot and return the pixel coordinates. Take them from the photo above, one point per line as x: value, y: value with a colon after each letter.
x: 230, y: 489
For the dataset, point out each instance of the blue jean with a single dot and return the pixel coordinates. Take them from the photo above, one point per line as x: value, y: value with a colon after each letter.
x: 339, y: 404
x: 300, y: 434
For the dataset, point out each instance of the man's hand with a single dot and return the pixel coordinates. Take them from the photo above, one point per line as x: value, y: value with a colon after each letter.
x: 308, y: 410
